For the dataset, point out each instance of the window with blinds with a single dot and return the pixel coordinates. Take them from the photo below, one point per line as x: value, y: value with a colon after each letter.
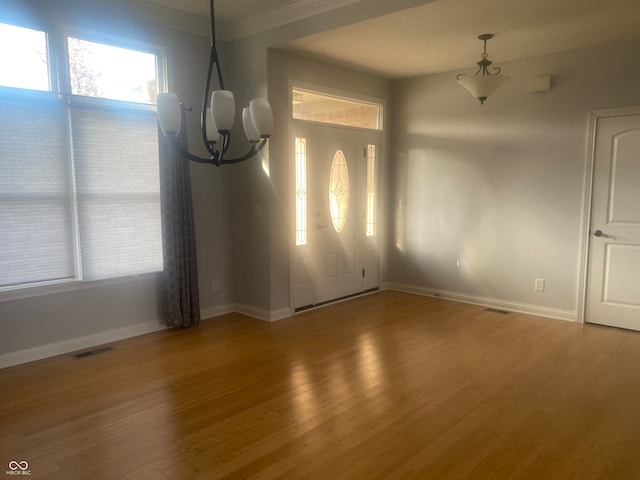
x: 36, y: 198
x: 79, y: 190
x: 115, y: 157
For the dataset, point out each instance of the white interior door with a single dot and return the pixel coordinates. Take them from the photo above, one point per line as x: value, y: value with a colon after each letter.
x: 613, y: 290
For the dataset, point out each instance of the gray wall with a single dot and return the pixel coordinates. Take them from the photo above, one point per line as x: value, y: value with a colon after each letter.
x: 499, y: 187
x: 247, y: 76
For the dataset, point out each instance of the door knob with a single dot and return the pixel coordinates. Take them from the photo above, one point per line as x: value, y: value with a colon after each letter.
x: 600, y: 233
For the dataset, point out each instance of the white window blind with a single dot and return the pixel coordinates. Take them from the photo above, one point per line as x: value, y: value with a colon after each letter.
x: 79, y: 176
x: 115, y: 153
x: 36, y: 216
x: 108, y: 203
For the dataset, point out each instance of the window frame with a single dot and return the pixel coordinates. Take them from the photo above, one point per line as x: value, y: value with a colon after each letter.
x: 159, y: 51
x: 60, y: 85
x: 339, y: 94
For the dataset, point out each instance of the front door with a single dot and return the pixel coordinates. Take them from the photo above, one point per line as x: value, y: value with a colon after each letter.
x: 613, y: 291
x: 337, y: 190
x: 339, y: 256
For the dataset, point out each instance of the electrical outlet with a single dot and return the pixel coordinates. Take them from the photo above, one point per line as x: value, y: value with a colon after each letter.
x: 215, y: 285
x: 539, y: 285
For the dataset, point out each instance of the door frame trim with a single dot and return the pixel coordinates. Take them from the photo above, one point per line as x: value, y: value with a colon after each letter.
x: 381, y: 183
x: 587, y: 199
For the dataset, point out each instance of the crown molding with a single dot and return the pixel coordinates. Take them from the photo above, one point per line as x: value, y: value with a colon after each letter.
x: 263, y: 21
x: 169, y: 17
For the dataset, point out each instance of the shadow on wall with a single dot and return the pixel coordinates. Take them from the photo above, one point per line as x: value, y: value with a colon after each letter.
x: 464, y: 217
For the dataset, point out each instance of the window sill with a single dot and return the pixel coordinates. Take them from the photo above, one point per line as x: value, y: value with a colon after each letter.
x: 65, y: 286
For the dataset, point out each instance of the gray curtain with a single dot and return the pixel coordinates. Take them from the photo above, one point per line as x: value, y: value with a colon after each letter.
x: 180, y: 278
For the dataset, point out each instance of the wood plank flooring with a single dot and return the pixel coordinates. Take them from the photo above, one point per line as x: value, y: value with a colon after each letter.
x: 386, y: 386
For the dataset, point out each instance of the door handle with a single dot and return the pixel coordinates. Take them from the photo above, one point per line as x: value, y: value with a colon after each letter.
x: 318, y: 226
x: 600, y: 233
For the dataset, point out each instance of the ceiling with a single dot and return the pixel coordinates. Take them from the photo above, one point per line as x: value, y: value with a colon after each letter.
x: 432, y: 36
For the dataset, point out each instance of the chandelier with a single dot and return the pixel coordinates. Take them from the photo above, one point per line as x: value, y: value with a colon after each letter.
x: 217, y: 116
x: 483, y: 83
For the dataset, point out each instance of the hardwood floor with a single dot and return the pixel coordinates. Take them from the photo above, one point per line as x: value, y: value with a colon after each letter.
x: 390, y: 386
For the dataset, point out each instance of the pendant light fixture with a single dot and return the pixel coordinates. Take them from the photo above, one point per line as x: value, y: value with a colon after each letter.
x: 483, y: 83
x: 217, y: 116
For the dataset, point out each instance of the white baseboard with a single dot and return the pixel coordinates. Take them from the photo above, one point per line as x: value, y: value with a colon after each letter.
x: 262, y: 314
x: 66, y: 346
x: 555, y: 313
x: 280, y: 314
x: 211, y: 312
x: 71, y: 345
x: 74, y: 344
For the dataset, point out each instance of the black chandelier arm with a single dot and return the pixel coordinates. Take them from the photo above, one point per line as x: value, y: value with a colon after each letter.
x: 216, y: 158
x: 190, y: 156
x: 226, y: 144
x: 255, y: 148
x: 213, y: 21
x: 216, y: 64
x: 213, y: 60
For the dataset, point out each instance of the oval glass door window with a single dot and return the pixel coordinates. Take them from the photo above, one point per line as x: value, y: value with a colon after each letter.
x: 339, y: 191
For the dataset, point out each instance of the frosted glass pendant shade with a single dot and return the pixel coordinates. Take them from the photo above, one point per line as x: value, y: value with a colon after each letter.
x: 482, y: 86
x: 223, y: 106
x: 262, y: 116
x: 249, y: 128
x: 212, y: 129
x: 169, y: 115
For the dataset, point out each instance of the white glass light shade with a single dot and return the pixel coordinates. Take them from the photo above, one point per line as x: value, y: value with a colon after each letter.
x: 249, y: 128
x: 169, y: 115
x: 212, y: 129
x: 262, y: 116
x: 482, y: 86
x: 223, y: 106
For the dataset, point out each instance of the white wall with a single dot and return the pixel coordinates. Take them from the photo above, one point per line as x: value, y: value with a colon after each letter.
x: 499, y: 187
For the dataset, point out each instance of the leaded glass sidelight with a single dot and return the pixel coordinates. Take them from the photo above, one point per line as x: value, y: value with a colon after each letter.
x: 371, y: 191
x: 301, y: 191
